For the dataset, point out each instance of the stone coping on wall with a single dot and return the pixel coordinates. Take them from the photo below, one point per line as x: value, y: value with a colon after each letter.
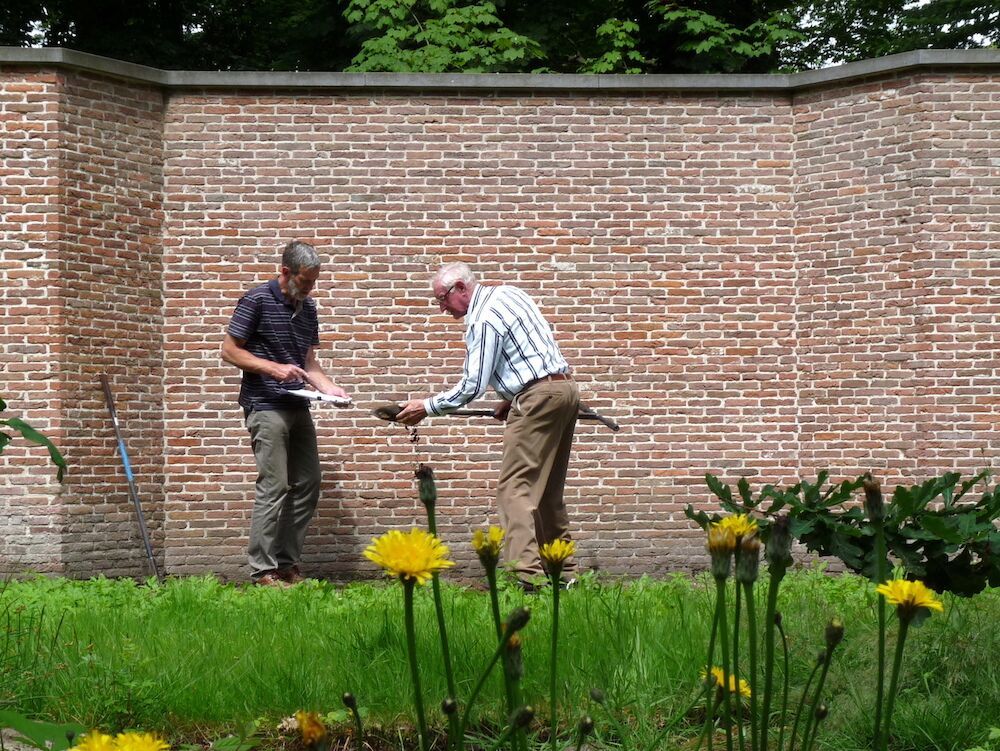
x: 59, y: 57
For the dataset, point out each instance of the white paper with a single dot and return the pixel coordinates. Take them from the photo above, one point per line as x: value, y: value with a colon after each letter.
x: 319, y: 396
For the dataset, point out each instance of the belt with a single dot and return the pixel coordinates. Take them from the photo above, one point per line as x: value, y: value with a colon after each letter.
x: 549, y: 377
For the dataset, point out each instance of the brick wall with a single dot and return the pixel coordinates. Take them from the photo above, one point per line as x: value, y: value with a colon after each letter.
x: 753, y: 283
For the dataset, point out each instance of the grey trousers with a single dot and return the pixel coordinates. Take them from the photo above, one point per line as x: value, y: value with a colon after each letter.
x: 536, y: 451
x: 288, y: 479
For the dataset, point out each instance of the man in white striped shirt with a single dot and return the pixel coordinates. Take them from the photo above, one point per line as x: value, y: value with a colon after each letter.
x: 511, y: 348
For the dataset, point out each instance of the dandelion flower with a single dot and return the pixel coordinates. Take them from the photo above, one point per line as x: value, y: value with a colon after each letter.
x: 721, y: 544
x: 311, y: 726
x: 411, y: 556
x: 743, y: 689
x: 909, y: 597
x: 95, y: 740
x: 557, y: 551
x: 721, y: 539
x: 741, y: 525
x: 488, y: 544
x: 132, y: 741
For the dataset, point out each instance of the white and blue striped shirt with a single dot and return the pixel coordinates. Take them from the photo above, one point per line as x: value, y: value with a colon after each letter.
x: 508, y: 344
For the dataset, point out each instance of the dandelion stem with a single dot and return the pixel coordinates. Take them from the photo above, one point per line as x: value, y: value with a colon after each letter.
x: 705, y: 689
x: 554, y: 573
x: 442, y: 629
x: 359, y: 743
x: 720, y: 585
x: 705, y: 731
x: 752, y: 641
x: 737, y: 612
x: 769, y: 620
x: 482, y: 681
x: 411, y: 644
x: 809, y: 731
x: 798, y: 709
x: 881, y: 574
x: 709, y: 708
x: 786, y: 680
x: 904, y: 626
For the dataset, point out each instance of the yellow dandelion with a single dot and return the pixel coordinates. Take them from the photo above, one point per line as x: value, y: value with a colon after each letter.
x: 95, y: 740
x: 488, y: 544
x: 133, y: 741
x: 410, y: 556
x: 557, y: 551
x: 721, y: 539
x: 311, y: 726
x: 909, y: 597
x: 743, y: 689
x: 741, y: 525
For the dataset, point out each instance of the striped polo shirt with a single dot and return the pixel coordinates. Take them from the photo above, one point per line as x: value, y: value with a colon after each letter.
x: 508, y: 344
x: 274, y: 330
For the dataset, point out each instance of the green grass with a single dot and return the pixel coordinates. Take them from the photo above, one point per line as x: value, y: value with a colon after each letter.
x: 195, y: 657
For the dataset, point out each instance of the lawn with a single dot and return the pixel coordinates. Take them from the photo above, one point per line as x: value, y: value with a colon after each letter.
x: 194, y: 659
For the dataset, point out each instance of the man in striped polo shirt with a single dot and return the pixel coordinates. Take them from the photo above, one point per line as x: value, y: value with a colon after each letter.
x: 272, y: 337
x: 510, y: 346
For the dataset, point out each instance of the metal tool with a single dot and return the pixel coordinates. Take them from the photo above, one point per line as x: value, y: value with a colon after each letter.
x: 389, y: 412
x: 133, y: 493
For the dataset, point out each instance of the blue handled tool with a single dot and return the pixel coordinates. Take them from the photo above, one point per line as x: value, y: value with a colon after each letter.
x: 133, y: 493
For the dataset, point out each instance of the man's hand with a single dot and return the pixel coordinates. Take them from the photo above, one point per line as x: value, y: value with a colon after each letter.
x: 286, y: 373
x: 334, y: 390
x: 412, y: 413
x: 501, y: 409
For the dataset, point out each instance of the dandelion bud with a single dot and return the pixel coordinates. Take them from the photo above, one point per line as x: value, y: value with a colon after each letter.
x: 518, y: 619
x: 449, y: 706
x: 822, y: 711
x: 70, y: 737
x: 523, y: 716
x: 748, y: 560
x: 834, y: 633
x: 721, y: 544
x: 514, y: 661
x: 585, y: 726
x: 777, y: 618
x: 874, y: 506
x: 428, y: 490
x: 778, y: 550
x: 349, y: 701
x: 597, y: 695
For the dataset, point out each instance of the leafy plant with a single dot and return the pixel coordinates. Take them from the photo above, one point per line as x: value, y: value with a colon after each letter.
x: 28, y: 432
x: 953, y: 546
x: 436, y: 36
x: 619, y: 39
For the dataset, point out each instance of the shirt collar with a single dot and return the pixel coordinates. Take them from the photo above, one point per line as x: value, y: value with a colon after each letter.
x: 474, y: 302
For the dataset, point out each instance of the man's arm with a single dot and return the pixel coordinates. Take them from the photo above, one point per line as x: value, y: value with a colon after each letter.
x: 319, y: 379
x: 482, y: 354
x: 234, y: 352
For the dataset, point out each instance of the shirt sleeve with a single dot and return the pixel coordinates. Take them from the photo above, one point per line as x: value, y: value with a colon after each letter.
x: 481, y: 358
x: 245, y: 318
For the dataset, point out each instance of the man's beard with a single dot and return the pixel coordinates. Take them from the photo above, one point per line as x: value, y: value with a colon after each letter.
x: 294, y: 291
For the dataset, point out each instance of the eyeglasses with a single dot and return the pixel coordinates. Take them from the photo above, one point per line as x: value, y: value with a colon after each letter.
x: 444, y: 296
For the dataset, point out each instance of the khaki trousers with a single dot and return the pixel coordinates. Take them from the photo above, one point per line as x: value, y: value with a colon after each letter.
x: 536, y: 450
x: 287, y: 490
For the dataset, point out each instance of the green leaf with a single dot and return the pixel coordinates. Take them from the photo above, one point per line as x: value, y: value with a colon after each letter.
x: 47, y: 736
x: 942, y: 529
x: 722, y: 492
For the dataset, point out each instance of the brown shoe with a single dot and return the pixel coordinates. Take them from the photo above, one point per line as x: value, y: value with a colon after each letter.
x: 271, y: 579
x: 291, y: 575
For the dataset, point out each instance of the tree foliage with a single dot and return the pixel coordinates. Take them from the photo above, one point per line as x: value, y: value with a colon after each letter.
x: 586, y: 36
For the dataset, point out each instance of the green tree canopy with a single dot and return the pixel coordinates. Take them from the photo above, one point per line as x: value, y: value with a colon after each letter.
x: 585, y: 36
